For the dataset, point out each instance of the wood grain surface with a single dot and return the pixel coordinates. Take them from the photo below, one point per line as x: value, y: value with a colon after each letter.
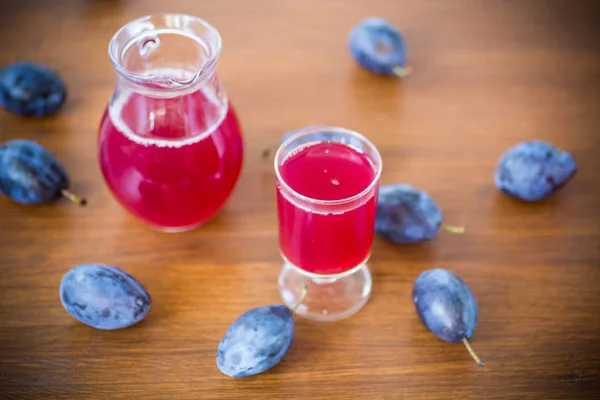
x: 487, y: 74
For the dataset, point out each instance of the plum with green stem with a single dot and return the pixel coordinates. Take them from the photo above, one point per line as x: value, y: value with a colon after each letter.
x: 406, y: 214
x: 447, y: 307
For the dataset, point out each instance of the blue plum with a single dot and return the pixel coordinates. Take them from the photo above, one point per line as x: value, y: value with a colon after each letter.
x: 446, y: 306
x: 378, y: 46
x: 318, y: 136
x: 534, y: 170
x: 256, y: 341
x: 31, y: 89
x: 408, y: 215
x: 31, y: 175
x: 103, y: 296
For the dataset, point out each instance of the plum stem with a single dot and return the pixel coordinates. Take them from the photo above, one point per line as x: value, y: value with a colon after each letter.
x: 301, y: 299
x: 75, y: 199
x: 401, y: 71
x: 478, y: 360
x: 454, y: 229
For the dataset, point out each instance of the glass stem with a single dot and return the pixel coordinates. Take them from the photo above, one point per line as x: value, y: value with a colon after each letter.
x: 301, y: 299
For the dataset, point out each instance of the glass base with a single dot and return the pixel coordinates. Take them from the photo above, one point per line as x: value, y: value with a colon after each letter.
x: 325, y: 297
x: 167, y: 229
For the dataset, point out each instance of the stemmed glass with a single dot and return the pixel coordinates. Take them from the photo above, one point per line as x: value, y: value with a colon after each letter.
x: 327, y: 184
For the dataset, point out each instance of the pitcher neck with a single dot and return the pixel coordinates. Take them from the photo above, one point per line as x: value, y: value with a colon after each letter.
x: 166, y: 55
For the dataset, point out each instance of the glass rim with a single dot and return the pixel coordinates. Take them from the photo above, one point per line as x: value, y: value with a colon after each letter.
x: 115, y: 49
x: 336, y: 130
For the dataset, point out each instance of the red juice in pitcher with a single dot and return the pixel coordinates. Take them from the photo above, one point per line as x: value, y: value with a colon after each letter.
x: 176, y: 170
x: 170, y: 146
x: 326, y: 241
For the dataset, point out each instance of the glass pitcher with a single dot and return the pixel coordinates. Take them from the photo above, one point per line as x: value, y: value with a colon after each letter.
x: 170, y: 145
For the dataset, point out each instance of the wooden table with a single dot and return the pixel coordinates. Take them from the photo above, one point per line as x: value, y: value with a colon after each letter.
x: 487, y: 74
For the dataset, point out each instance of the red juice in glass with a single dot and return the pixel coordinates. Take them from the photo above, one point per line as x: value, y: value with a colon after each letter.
x: 327, y: 243
x: 170, y: 146
x: 327, y: 186
x: 174, y: 170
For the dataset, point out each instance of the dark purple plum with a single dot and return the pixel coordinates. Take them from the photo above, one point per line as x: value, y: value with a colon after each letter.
x: 30, y: 89
x: 534, y: 170
x: 256, y: 341
x: 408, y: 215
x: 446, y: 306
x: 378, y: 46
x: 104, y: 297
x: 31, y: 175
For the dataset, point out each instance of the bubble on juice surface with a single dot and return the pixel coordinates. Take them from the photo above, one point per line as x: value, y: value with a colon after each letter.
x: 116, y: 109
